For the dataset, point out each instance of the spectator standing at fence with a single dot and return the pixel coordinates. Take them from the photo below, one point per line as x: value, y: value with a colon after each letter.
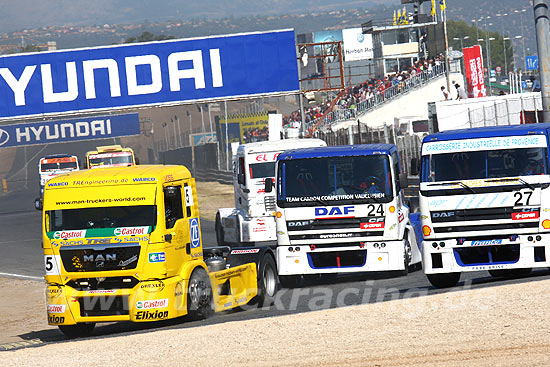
x: 445, y: 93
x: 461, y: 93
x: 535, y: 86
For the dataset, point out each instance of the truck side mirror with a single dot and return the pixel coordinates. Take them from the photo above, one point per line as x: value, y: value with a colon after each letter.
x: 268, y: 185
x: 403, y: 180
x: 415, y: 166
x: 240, y: 178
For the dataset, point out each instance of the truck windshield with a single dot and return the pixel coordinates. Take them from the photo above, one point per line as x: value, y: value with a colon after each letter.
x: 111, y: 159
x: 334, y: 180
x: 106, y: 217
x: 484, y: 164
x: 57, y: 166
x: 262, y: 170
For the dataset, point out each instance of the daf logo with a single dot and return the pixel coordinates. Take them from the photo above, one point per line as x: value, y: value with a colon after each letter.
x: 298, y: 223
x: 443, y: 215
x: 4, y: 137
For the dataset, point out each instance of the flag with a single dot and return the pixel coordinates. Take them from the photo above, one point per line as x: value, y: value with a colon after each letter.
x: 443, y: 4
x: 394, y: 18
x: 405, y: 18
x: 399, y: 17
x: 433, y: 8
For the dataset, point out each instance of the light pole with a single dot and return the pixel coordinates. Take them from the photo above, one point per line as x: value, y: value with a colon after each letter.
x: 461, y: 39
x: 504, y: 39
x: 522, y: 37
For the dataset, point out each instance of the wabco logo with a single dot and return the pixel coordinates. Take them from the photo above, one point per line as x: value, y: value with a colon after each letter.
x: 130, y: 231
x: 65, y: 235
x: 4, y: 137
x: 346, y: 210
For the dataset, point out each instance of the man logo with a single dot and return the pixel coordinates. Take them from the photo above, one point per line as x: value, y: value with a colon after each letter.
x: 4, y: 137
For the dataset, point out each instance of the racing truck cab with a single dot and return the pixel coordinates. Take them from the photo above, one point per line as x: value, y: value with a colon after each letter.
x: 252, y: 220
x: 125, y: 244
x: 110, y: 156
x: 51, y: 166
x: 340, y: 209
x: 485, y: 201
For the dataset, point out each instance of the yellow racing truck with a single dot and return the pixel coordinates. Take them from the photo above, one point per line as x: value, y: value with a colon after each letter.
x: 110, y: 156
x: 124, y: 244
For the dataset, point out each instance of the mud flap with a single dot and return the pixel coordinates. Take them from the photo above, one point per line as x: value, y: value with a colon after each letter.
x: 417, y: 226
x: 234, y: 287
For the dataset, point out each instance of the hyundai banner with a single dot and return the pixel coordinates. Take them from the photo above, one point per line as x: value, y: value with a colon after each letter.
x: 69, y: 130
x: 149, y: 74
x: 473, y: 62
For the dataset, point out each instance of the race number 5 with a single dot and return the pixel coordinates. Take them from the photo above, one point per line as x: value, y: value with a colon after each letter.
x: 188, y: 196
x: 522, y: 198
x: 50, y: 264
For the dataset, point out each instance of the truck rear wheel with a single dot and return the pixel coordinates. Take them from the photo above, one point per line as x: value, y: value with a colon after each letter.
x: 267, y: 281
x: 77, y: 331
x: 219, y: 231
x: 444, y: 280
x: 199, y: 295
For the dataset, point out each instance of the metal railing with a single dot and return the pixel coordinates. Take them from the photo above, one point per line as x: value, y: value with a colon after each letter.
x: 378, y: 98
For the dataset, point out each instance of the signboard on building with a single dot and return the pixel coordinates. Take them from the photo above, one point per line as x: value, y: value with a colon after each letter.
x: 69, y: 130
x: 475, y: 79
x: 243, y: 127
x: 357, y: 46
x: 532, y: 62
x: 202, y: 138
x: 148, y: 74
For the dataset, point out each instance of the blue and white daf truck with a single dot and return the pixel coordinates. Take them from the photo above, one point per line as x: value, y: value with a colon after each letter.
x: 485, y: 201
x: 340, y: 209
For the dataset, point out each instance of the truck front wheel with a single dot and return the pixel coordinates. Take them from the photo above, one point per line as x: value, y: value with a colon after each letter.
x: 199, y: 295
x: 267, y: 281
x: 444, y: 280
x: 77, y: 331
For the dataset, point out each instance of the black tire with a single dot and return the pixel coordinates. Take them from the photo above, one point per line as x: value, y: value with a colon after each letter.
x: 290, y: 281
x: 444, y: 280
x: 199, y: 295
x: 219, y: 231
x: 77, y: 331
x: 267, y: 281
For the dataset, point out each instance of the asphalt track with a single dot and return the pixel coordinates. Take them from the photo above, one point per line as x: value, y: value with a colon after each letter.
x: 22, y: 255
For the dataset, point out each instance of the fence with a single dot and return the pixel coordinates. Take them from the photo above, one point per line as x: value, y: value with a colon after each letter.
x: 378, y: 98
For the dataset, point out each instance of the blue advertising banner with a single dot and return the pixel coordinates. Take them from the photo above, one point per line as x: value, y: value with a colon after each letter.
x: 157, y: 73
x: 69, y: 130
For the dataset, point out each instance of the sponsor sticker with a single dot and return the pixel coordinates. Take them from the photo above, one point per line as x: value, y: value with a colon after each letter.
x: 525, y: 215
x: 156, y: 257
x: 131, y: 231
x: 156, y: 303
x: 56, y: 308
x: 69, y: 234
x: 152, y: 287
x: 195, y: 233
x: 147, y: 315
x: 102, y: 291
x: 486, y: 242
x: 376, y: 225
x: 249, y: 251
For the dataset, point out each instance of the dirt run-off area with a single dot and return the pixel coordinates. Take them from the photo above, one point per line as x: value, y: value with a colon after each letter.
x: 495, y: 326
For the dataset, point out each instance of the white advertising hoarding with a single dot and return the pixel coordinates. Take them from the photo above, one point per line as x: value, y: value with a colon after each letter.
x: 357, y: 46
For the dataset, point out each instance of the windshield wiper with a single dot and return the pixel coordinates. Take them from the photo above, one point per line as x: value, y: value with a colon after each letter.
x: 468, y: 188
x: 525, y: 183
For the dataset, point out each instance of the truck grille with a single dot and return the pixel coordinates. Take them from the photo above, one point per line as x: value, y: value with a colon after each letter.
x: 103, y: 306
x: 485, y: 227
x: 334, y: 236
x: 335, y: 259
x: 269, y: 202
x: 330, y: 224
x: 100, y: 258
x: 460, y: 215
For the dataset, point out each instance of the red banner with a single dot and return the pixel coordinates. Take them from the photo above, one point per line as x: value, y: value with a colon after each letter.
x: 473, y: 62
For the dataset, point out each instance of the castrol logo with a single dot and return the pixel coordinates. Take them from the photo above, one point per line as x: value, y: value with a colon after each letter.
x: 65, y: 235
x: 130, y: 231
x: 56, y: 308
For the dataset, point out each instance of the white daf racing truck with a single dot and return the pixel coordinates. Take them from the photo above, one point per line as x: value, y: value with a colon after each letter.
x: 252, y: 218
x: 485, y: 201
x: 341, y: 209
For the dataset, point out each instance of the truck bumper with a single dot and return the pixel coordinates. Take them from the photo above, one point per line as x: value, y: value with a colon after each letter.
x: 373, y: 256
x: 516, y: 252
x: 146, y: 301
